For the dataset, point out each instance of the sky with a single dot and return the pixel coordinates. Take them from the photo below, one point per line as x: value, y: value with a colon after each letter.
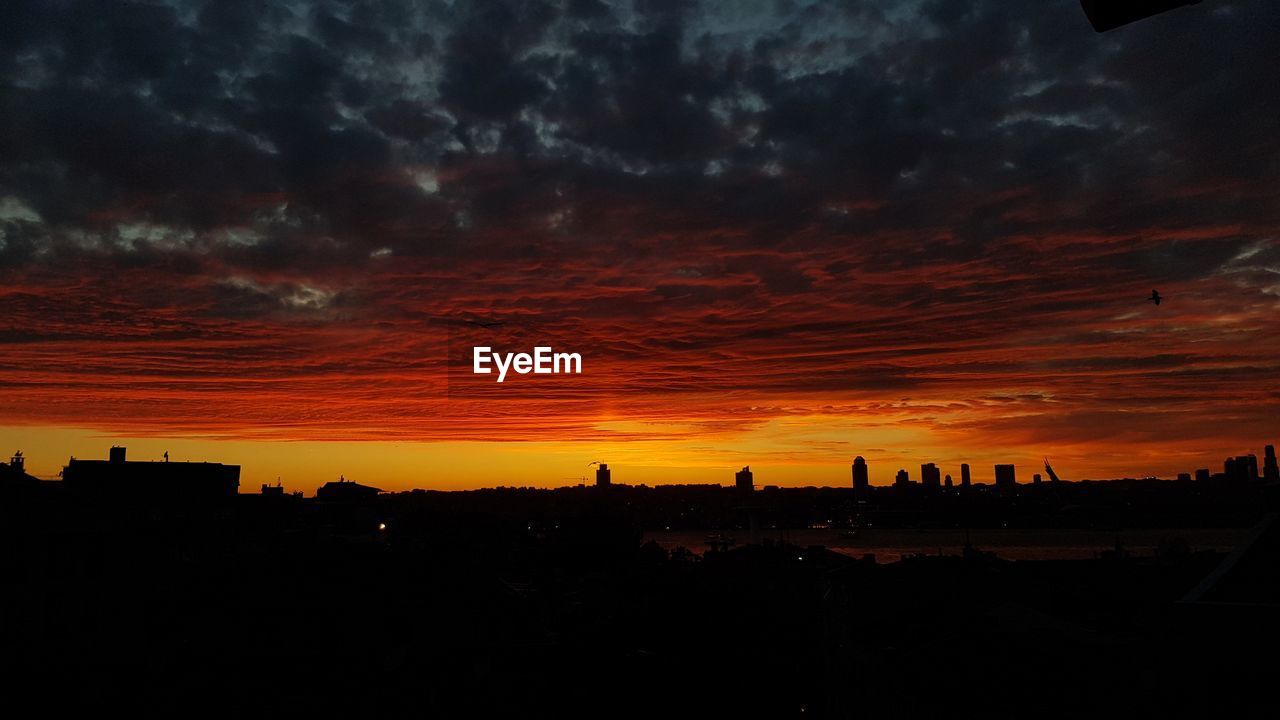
x: 779, y: 233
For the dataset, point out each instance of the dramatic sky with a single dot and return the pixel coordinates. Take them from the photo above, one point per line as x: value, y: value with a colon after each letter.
x: 780, y: 233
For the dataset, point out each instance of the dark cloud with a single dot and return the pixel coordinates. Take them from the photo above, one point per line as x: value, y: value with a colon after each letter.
x: 973, y: 191
x: 761, y: 120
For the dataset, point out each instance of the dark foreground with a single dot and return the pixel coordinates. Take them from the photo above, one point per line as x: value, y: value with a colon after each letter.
x: 273, y: 608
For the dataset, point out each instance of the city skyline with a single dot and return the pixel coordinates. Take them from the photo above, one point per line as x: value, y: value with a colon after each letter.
x: 1246, y: 466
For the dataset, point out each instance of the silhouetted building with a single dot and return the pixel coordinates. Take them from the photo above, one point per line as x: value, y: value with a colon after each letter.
x: 15, y: 474
x: 744, y: 480
x: 1005, y: 477
x: 1270, y: 471
x: 946, y: 481
x: 343, y: 490
x: 902, y: 479
x: 604, y: 478
x: 1184, y: 477
x: 930, y: 476
x: 1035, y: 479
x: 118, y: 477
x: 1202, y: 475
x: 964, y: 476
x: 1241, y: 468
x: 17, y: 464
x: 860, y: 480
x: 276, y: 490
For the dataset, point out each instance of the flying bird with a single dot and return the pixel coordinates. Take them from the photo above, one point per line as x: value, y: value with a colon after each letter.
x: 1155, y: 297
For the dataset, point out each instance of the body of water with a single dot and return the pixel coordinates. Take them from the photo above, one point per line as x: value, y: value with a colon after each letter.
x: 1015, y: 544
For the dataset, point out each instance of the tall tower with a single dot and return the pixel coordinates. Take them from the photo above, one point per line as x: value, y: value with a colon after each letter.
x: 1270, y: 471
x: 930, y: 476
x: 1005, y: 478
x: 860, y: 481
x: 964, y: 476
x: 603, y: 477
x: 744, y: 480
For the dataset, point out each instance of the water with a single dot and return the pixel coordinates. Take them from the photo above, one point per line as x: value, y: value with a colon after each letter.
x: 891, y: 545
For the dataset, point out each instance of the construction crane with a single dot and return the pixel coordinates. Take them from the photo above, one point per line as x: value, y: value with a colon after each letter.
x: 1053, y: 476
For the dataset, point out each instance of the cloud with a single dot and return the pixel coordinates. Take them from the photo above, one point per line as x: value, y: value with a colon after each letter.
x: 791, y: 206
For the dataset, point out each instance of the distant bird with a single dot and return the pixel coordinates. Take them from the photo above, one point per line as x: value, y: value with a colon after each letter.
x: 1155, y: 297
x: 593, y: 462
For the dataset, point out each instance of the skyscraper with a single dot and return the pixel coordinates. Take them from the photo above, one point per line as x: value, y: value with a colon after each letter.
x: 1270, y: 471
x: 744, y: 480
x: 964, y: 476
x: 930, y: 476
x: 902, y: 479
x: 860, y: 481
x: 1005, y: 477
x: 603, y: 477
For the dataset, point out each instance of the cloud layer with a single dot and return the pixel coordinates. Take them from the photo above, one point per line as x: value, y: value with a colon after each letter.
x: 272, y: 221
